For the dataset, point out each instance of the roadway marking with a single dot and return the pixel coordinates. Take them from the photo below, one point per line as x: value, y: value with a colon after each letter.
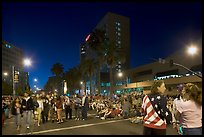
x: 74, y: 127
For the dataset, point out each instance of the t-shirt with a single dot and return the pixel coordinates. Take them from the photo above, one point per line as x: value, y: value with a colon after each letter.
x: 191, y: 114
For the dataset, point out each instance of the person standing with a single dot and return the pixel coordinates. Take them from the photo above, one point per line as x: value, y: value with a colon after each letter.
x: 77, y: 107
x: 45, y: 107
x: 39, y: 108
x: 126, y: 108
x: 68, y: 108
x: 155, y: 111
x: 190, y: 110
x: 16, y: 110
x: 4, y: 107
x: 53, y: 111
x: 59, y: 107
x: 28, y: 107
x: 85, y: 105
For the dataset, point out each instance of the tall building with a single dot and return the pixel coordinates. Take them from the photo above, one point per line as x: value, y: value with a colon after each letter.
x: 12, y: 56
x: 117, y: 31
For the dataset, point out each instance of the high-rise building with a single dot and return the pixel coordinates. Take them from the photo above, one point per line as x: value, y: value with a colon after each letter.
x: 12, y: 57
x: 117, y: 32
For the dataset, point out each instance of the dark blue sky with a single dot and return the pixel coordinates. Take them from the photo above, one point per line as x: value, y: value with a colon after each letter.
x: 52, y: 32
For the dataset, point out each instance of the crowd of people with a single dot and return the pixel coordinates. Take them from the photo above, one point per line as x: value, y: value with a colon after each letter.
x: 154, y: 110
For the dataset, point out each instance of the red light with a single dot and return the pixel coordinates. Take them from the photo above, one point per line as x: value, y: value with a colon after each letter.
x: 87, y: 38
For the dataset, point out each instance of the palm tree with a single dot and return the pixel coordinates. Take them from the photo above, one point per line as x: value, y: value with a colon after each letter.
x: 87, y: 68
x: 72, y: 76
x: 96, y: 42
x: 57, y: 69
x: 113, y: 55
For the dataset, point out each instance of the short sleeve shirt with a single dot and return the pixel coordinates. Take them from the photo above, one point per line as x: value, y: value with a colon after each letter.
x: 191, y: 114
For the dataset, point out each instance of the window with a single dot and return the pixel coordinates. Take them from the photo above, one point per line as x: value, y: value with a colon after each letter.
x: 7, y: 46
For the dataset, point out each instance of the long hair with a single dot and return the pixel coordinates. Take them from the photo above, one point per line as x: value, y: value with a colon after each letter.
x: 194, y: 92
x: 154, y: 89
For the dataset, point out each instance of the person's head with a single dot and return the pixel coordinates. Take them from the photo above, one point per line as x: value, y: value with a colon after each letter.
x: 158, y: 87
x: 37, y: 96
x: 192, y: 92
x: 43, y: 93
x: 26, y: 94
x: 17, y: 99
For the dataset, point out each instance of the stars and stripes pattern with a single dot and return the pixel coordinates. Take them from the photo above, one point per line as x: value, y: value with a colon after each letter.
x: 152, y: 111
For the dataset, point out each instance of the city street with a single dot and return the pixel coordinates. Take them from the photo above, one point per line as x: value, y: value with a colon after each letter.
x: 91, y: 126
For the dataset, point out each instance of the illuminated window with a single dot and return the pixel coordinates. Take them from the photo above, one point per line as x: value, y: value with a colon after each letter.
x: 7, y: 46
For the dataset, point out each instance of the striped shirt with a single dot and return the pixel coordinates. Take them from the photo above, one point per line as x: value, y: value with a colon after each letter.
x: 155, y: 111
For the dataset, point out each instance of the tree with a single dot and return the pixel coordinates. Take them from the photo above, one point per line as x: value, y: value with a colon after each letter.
x: 87, y: 68
x: 107, y: 52
x: 72, y: 76
x: 6, y: 89
x: 96, y: 42
x: 57, y: 69
x: 113, y: 55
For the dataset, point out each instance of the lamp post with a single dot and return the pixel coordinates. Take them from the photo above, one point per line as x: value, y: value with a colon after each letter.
x: 13, y: 73
x: 192, y: 50
x: 27, y: 62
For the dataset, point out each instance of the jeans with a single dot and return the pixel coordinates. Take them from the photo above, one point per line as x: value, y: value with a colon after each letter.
x: 78, y: 113
x: 28, y: 117
x: 192, y: 131
x: 18, y: 119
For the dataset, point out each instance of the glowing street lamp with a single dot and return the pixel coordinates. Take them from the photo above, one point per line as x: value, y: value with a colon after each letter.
x: 120, y: 74
x: 192, y: 50
x: 27, y: 62
x: 35, y: 79
x: 5, y: 74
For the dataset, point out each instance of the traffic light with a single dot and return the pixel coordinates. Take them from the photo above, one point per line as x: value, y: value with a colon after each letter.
x: 171, y: 62
x: 162, y: 61
x: 16, y: 76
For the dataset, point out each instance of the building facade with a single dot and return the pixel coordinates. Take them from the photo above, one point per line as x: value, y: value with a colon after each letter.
x: 142, y: 76
x: 117, y: 31
x: 12, y: 62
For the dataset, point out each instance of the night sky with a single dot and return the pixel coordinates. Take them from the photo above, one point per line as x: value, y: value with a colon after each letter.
x: 52, y: 32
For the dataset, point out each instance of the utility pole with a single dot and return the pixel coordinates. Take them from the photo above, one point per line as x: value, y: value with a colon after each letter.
x: 13, y: 75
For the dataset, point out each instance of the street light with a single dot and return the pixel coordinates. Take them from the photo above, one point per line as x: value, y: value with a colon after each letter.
x: 120, y: 74
x: 26, y: 62
x: 35, y: 79
x: 5, y: 74
x: 192, y: 50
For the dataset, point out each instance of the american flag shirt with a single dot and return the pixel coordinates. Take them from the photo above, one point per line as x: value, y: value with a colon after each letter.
x: 155, y: 111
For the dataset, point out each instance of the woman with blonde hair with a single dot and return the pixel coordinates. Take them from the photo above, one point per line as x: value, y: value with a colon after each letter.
x: 40, y: 108
x: 155, y: 111
x: 190, y: 110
